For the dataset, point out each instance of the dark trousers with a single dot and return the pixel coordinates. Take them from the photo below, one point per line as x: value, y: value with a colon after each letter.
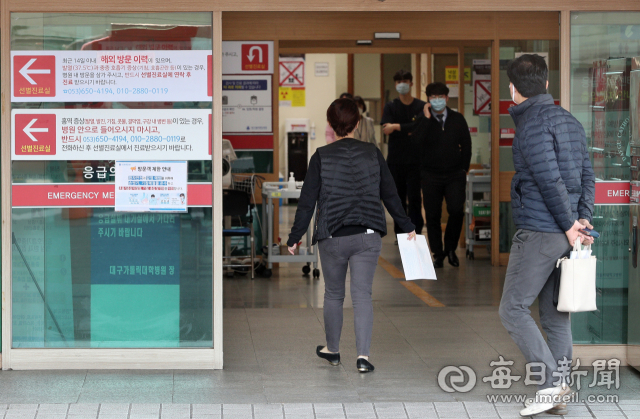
x: 359, y: 253
x: 407, y: 179
x: 450, y: 187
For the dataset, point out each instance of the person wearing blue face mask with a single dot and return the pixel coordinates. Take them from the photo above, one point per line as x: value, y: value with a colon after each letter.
x: 446, y: 156
x: 403, y: 157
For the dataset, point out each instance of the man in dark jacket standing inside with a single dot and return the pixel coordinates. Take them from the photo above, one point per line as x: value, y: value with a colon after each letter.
x: 552, y: 199
x: 445, y: 157
x: 403, y: 158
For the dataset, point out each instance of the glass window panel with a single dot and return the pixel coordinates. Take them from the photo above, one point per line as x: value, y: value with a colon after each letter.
x: 603, y: 89
x: 90, y: 277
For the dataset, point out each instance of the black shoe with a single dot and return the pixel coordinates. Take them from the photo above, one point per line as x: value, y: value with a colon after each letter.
x: 334, y: 359
x: 438, y: 261
x: 453, y: 259
x: 364, y: 366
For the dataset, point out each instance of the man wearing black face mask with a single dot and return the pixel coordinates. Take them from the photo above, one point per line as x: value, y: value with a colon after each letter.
x: 446, y: 155
x: 403, y: 159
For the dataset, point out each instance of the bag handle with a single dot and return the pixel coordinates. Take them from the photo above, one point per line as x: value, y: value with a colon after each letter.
x: 577, y: 245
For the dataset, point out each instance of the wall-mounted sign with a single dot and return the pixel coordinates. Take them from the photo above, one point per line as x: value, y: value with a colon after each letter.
x: 247, y: 57
x: 506, y: 137
x: 613, y: 193
x: 110, y: 134
x: 451, y: 74
x: 111, y: 76
x: 90, y: 194
x: 292, y: 96
x: 292, y: 72
x: 482, y: 97
x: 247, y: 104
x: 322, y: 69
x: 151, y: 186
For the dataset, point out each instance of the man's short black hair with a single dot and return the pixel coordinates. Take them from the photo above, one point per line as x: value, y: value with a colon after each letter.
x: 529, y: 74
x: 403, y: 75
x: 437, y: 89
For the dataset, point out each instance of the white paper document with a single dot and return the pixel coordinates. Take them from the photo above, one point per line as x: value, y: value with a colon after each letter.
x: 416, y: 258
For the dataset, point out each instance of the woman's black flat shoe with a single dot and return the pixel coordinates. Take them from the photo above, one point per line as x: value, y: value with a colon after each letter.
x: 334, y: 359
x: 364, y: 365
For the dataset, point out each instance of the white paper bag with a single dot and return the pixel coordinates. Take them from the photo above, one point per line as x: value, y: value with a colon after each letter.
x: 577, y: 281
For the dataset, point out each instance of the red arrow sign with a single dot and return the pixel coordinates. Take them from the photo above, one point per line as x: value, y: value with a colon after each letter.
x: 255, y: 57
x: 35, y: 134
x: 34, y: 75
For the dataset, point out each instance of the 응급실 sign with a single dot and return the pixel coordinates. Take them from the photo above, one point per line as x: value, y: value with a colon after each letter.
x: 111, y: 76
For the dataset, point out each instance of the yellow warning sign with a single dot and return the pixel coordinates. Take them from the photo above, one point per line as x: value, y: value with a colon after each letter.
x: 298, y: 96
x: 292, y: 96
x: 451, y: 74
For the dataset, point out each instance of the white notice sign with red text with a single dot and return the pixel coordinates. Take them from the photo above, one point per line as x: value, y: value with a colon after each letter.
x: 110, y: 134
x: 111, y: 76
x: 151, y: 186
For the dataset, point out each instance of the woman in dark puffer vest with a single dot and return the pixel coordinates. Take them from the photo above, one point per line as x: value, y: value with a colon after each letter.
x: 347, y: 180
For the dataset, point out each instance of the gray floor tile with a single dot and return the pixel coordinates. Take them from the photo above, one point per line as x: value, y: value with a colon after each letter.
x: 145, y: 409
x: 206, y: 409
x: 84, y: 409
x: 115, y: 408
x: 19, y: 415
x: 53, y: 408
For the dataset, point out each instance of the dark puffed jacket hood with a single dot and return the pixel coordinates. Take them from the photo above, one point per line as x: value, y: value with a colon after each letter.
x: 554, y: 184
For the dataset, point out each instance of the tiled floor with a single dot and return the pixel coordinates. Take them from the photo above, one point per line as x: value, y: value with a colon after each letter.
x: 271, y: 329
x: 388, y: 410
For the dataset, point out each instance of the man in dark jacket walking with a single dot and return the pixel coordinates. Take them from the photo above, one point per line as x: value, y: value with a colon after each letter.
x: 552, y: 199
x: 445, y: 157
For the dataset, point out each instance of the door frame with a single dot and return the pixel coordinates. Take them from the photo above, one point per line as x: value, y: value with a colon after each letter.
x: 488, y: 22
x: 116, y: 358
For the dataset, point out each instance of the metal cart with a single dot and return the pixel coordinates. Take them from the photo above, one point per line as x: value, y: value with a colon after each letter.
x: 270, y: 192
x: 478, y: 181
x: 238, y: 264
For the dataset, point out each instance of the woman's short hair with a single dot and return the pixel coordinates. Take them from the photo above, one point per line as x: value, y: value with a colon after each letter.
x: 343, y: 116
x: 360, y: 102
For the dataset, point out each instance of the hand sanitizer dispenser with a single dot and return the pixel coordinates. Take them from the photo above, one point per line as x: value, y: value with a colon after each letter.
x: 292, y: 182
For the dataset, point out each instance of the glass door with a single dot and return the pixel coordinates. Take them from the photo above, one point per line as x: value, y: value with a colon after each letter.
x: 90, y: 91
